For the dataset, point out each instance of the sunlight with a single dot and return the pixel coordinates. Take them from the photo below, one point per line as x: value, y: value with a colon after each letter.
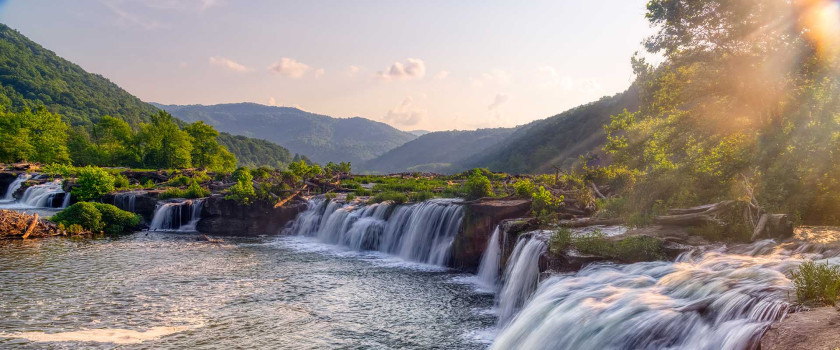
x: 821, y: 22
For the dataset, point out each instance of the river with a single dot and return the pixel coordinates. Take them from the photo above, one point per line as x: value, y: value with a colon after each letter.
x: 152, y: 290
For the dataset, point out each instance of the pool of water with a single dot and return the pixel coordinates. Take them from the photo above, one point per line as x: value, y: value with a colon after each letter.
x: 152, y: 290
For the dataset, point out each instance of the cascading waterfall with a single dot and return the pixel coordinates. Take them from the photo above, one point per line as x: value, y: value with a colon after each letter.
x: 177, y: 216
x: 421, y: 232
x: 488, y: 269
x: 125, y: 201
x: 43, y: 195
x: 522, y: 275
x: 14, y: 186
x: 713, y: 301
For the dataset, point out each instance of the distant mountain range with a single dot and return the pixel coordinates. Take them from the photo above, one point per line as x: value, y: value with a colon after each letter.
x: 321, y: 138
x: 32, y: 76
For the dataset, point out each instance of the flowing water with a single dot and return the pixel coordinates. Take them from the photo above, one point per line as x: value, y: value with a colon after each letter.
x: 153, y: 290
x: 14, y: 186
x: 488, y: 269
x: 175, y: 216
x: 522, y: 274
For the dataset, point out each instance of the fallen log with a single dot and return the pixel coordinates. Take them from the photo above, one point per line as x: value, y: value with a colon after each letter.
x: 31, y: 226
x: 281, y: 202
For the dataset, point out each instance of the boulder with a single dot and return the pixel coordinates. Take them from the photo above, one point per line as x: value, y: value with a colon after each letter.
x: 224, y: 217
x: 773, y: 226
x: 480, y: 219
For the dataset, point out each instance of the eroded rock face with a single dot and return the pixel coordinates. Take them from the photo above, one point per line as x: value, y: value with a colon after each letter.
x: 480, y: 218
x: 223, y: 217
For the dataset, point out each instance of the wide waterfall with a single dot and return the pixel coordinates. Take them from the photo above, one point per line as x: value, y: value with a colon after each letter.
x: 488, y: 269
x: 177, y: 216
x: 14, y: 186
x: 421, y: 232
x: 522, y: 275
x: 45, y: 195
x: 713, y: 301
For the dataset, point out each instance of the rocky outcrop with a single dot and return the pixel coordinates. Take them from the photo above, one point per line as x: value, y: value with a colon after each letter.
x: 808, y: 330
x: 480, y: 218
x: 6, y: 179
x: 220, y: 216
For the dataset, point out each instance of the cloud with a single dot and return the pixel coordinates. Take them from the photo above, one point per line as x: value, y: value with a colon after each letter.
x: 413, y: 68
x: 289, y: 68
x: 129, y: 19
x: 501, y: 99
x: 441, y: 75
x: 272, y: 101
x: 229, y: 64
x: 353, y: 70
x: 551, y: 79
x: 405, y: 114
x: 495, y: 76
x: 319, y: 73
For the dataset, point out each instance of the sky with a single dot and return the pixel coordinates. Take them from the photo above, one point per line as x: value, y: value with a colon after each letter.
x: 428, y: 65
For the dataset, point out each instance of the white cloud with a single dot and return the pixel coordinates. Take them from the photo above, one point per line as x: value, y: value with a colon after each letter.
x: 289, y: 68
x: 413, y: 68
x: 495, y: 76
x: 272, y: 101
x: 353, y: 70
x: 319, y: 73
x: 551, y: 79
x: 229, y: 64
x: 406, y: 113
x: 441, y: 75
x: 501, y: 99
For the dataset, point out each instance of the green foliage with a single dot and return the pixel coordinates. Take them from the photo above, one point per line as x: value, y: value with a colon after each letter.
x: 332, y: 168
x: 421, y: 196
x: 196, y: 191
x: 163, y: 143
x: 560, y: 240
x: 92, y: 184
x: 207, y: 152
x: 172, y: 192
x: 396, y: 197
x: 477, y: 185
x: 120, y: 181
x: 544, y: 204
x: 350, y: 196
x: 817, y: 284
x: 303, y: 170
x: 55, y: 170
x: 254, y: 153
x: 179, y: 181
x: 330, y: 195
x: 523, y: 188
x: 38, y: 136
x: 630, y: 249
x: 96, y: 217
x: 243, y: 191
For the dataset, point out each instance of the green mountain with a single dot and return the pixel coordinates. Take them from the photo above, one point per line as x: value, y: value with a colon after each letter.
x: 32, y: 76
x: 321, y: 138
x: 541, y: 145
x: 441, y: 151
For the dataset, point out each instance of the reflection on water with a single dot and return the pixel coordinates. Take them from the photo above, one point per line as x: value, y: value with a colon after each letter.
x: 156, y: 290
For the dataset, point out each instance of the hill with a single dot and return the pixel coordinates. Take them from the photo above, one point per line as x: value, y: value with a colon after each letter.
x: 32, y: 76
x: 441, y: 151
x: 556, y: 141
x: 321, y: 138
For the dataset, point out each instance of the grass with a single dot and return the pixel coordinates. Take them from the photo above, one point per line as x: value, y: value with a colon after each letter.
x: 630, y: 249
x: 817, y: 284
x: 560, y: 240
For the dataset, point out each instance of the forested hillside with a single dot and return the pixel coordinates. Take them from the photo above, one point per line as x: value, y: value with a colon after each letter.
x: 441, y: 151
x: 33, y: 77
x: 322, y: 138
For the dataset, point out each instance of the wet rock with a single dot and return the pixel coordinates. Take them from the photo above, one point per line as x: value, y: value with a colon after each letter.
x: 480, y: 218
x: 773, y: 226
x: 814, y: 329
x: 220, y: 216
x: 6, y: 179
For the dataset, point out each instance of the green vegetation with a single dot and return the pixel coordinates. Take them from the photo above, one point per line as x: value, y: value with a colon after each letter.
x: 544, y: 204
x: 92, y: 183
x: 630, y: 249
x: 96, y: 217
x: 38, y: 136
x: 560, y: 240
x: 817, y: 284
x: 243, y: 191
x: 523, y: 188
x: 478, y: 186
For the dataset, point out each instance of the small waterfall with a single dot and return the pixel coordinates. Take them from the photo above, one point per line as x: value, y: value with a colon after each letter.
x: 522, y: 275
x: 66, y: 202
x: 177, y: 216
x: 43, y: 195
x: 488, y: 270
x: 421, y: 232
x: 714, y: 300
x: 125, y: 201
x: 14, y: 186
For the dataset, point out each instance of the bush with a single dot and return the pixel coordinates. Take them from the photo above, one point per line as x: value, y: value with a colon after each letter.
x: 120, y: 181
x: 638, y: 248
x: 523, y: 188
x: 243, y: 191
x: 422, y: 196
x: 92, y: 183
x: 350, y: 196
x: 116, y: 220
x: 478, y: 186
x: 84, y: 214
x: 396, y: 197
x: 544, y: 204
x: 179, y: 181
x: 148, y: 183
x: 817, y: 284
x: 172, y: 192
x: 196, y: 191
x: 560, y: 240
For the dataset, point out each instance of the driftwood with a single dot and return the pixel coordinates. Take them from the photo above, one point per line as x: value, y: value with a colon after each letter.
x: 283, y: 201
x: 31, y: 226
x: 597, y: 192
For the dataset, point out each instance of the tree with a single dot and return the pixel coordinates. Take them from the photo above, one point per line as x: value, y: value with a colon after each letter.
x: 478, y: 185
x: 38, y: 136
x: 111, y: 136
x: 163, y: 144
x: 207, y: 152
x: 92, y: 184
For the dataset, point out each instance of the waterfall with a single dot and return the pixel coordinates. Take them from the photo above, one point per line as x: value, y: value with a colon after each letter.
x: 66, y: 202
x: 177, y: 216
x: 421, y: 232
x: 42, y: 196
x: 713, y: 301
x: 488, y: 270
x: 125, y: 201
x: 522, y: 275
x: 14, y: 186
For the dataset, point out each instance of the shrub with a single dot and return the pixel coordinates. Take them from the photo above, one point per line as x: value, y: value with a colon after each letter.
x: 243, y: 191
x: 92, y: 183
x: 396, y: 197
x: 523, y: 188
x: 196, y: 191
x: 148, y: 183
x: 350, y: 196
x: 59, y: 170
x: 638, y: 248
x: 594, y: 243
x: 179, y: 181
x: 560, y: 240
x: 817, y: 284
x: 120, y: 181
x: 422, y: 196
x: 84, y: 214
x: 478, y: 185
x: 172, y: 192
x: 362, y: 192
x: 116, y: 220
x: 544, y: 204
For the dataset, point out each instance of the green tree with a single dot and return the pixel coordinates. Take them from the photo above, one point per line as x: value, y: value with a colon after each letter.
x: 207, y: 152
x: 163, y: 144
x: 112, y: 137
x: 243, y: 191
x: 478, y: 185
x: 92, y: 184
